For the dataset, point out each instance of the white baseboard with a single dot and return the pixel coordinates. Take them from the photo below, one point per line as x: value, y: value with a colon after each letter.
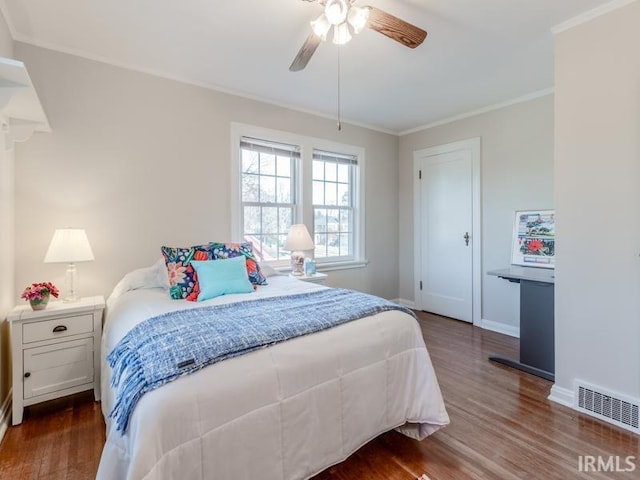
x: 561, y: 395
x: 500, y: 328
x: 404, y: 303
x: 5, y: 415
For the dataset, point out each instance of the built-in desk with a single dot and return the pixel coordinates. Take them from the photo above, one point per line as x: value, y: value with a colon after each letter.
x: 536, y: 320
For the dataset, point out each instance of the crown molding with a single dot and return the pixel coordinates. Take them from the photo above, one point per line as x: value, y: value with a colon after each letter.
x: 167, y: 76
x: 479, y: 111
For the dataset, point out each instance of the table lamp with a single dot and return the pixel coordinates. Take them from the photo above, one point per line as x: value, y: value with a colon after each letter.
x: 69, y: 245
x: 298, y: 240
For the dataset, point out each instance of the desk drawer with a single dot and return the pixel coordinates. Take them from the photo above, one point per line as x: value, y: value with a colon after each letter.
x: 65, y: 327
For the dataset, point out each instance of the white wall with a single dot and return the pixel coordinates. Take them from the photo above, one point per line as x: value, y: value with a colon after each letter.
x: 6, y: 41
x: 6, y: 240
x: 597, y: 176
x: 140, y: 161
x: 517, y: 174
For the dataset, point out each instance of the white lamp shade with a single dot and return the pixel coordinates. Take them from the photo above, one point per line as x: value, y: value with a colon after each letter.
x: 299, y: 239
x: 341, y: 34
x: 336, y: 11
x: 321, y: 26
x: 69, y: 245
x: 358, y: 18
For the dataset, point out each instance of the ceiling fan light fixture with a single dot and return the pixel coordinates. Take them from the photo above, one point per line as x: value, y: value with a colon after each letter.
x: 336, y: 11
x: 321, y: 26
x: 358, y: 18
x: 341, y: 34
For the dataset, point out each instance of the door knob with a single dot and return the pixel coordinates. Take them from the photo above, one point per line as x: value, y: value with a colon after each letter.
x: 466, y: 238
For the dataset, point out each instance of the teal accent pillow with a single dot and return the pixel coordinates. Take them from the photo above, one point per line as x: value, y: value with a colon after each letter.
x: 222, y: 277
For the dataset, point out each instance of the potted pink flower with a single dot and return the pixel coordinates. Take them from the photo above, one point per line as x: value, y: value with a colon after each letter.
x: 38, y: 294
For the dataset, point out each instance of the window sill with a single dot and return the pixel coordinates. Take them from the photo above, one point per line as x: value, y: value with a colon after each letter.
x: 329, y: 266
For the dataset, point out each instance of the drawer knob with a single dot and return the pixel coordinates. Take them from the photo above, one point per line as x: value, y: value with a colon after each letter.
x: 60, y: 328
x: 27, y: 375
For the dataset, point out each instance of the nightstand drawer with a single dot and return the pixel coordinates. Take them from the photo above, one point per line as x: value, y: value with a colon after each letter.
x: 64, y: 327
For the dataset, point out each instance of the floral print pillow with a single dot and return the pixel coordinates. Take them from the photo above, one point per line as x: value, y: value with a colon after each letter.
x: 231, y: 250
x: 183, y: 280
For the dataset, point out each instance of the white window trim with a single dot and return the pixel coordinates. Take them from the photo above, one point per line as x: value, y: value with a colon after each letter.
x: 304, y: 208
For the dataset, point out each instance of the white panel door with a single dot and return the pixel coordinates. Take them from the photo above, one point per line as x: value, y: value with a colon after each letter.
x: 445, y: 232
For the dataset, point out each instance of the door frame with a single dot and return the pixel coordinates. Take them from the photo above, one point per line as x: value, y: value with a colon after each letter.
x: 474, y: 145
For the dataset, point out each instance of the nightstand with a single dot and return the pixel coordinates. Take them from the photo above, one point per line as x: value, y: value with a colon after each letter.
x: 56, y: 351
x: 317, y: 277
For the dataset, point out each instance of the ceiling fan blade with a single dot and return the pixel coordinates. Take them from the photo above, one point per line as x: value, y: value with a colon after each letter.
x: 394, y: 28
x: 305, y: 53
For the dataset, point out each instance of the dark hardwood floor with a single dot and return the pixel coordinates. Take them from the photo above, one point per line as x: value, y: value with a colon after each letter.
x: 502, y: 427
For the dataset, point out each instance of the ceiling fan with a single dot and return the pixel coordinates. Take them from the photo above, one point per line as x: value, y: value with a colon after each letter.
x: 345, y: 17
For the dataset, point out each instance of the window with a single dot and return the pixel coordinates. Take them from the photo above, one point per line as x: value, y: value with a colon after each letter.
x: 268, y: 179
x: 333, y: 185
x: 279, y: 179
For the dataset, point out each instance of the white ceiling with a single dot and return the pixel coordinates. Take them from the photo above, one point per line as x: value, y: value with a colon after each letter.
x: 478, y: 52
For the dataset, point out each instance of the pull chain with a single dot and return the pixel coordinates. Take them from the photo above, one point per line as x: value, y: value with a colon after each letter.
x: 339, y: 122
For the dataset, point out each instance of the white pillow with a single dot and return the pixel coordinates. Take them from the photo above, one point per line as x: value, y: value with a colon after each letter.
x: 268, y: 271
x: 154, y: 276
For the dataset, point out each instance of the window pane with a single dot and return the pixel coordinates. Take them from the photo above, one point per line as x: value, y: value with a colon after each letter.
x: 267, y: 164
x: 263, y: 248
x: 267, y: 189
x: 318, y: 193
x: 249, y: 161
x: 343, y: 195
x: 251, y: 220
x: 284, y: 166
x: 343, y: 173
x: 330, y: 194
x: 320, y: 220
x: 256, y: 241
x: 283, y: 252
x: 271, y: 243
x: 345, y: 248
x: 318, y: 170
x: 333, y: 245
x: 331, y: 171
x: 269, y: 220
x: 345, y: 221
x: 250, y: 188
x: 333, y: 220
x: 285, y: 215
x: 284, y: 190
x: 321, y: 245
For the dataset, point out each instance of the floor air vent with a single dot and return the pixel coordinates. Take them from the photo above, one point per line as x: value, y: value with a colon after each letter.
x: 608, y: 406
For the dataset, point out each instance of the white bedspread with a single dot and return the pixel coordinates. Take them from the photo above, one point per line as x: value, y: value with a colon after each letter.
x: 281, y: 413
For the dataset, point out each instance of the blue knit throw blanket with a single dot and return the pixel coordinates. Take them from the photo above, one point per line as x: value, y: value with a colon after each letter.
x: 163, y: 348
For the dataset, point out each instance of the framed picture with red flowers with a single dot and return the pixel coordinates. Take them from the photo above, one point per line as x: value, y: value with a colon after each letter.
x: 534, y: 238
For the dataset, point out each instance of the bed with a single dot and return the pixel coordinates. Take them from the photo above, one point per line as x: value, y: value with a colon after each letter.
x: 283, y: 412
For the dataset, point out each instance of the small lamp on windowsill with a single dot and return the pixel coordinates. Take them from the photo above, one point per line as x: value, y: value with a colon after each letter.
x: 69, y: 245
x: 298, y: 240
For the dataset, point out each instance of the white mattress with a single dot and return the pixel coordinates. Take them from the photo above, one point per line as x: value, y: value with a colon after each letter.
x: 280, y: 413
